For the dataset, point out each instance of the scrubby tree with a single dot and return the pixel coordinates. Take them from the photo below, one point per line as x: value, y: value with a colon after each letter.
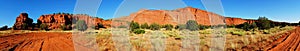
x: 253, y: 25
x: 24, y: 26
x: 299, y: 23
x: 145, y: 26
x: 264, y: 23
x: 180, y: 26
x: 154, y: 26
x: 99, y: 26
x: 134, y: 25
x: 246, y: 26
x: 81, y: 25
x: 4, y: 27
x: 66, y: 27
x: 192, y: 25
x: 168, y: 26
x: 202, y: 27
x: 44, y: 26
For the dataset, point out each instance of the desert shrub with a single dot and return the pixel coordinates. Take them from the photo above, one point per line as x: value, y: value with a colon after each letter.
x: 122, y: 26
x: 230, y: 26
x: 134, y: 25
x: 168, y: 26
x: 66, y: 27
x: 100, y: 26
x: 145, y: 26
x: 238, y: 33
x: 154, y: 26
x: 299, y: 23
x: 180, y: 27
x: 266, y: 32
x: 43, y: 26
x: 205, y: 32
x: 192, y: 25
x: 235, y: 31
x: 24, y: 26
x: 4, y: 27
x: 202, y: 27
x: 81, y: 25
x: 63, y: 27
x: 246, y: 26
x: 263, y: 23
x: 253, y: 25
x: 139, y: 31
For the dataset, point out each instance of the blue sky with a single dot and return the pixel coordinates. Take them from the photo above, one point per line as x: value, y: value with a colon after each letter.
x: 278, y: 10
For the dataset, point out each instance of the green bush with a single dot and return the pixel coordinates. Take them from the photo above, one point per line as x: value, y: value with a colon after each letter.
x: 81, y: 25
x: 139, y: 31
x: 24, y: 26
x: 246, y: 26
x: 230, y: 26
x: 192, y: 25
x: 202, y: 27
x: 299, y: 23
x: 63, y: 27
x: 154, y: 26
x: 180, y: 27
x: 66, y: 27
x: 100, y: 26
x: 145, y: 26
x: 253, y: 25
x: 266, y: 32
x: 43, y: 26
x: 168, y: 26
x: 4, y: 27
x: 238, y: 33
x: 263, y: 23
x: 134, y: 25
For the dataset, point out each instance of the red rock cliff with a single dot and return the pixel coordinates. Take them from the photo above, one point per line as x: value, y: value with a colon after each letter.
x: 179, y: 16
x: 54, y: 21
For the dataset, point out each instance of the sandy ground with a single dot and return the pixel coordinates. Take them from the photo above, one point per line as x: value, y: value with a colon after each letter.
x: 41, y: 41
x: 63, y: 41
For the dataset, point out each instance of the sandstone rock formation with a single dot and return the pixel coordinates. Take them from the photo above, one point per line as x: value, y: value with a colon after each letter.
x: 179, y: 16
x: 234, y: 21
x: 23, y: 22
x: 55, y: 21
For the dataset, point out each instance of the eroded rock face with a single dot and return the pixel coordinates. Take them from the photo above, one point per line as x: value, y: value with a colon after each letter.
x: 174, y: 17
x: 234, y: 21
x: 55, y: 21
x: 23, y: 22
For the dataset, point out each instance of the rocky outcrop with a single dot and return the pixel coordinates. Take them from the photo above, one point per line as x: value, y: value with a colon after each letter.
x: 55, y: 21
x: 234, y: 21
x: 23, y: 22
x: 178, y: 16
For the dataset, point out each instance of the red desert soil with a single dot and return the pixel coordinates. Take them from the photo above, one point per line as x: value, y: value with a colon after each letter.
x: 41, y: 41
x: 289, y: 42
